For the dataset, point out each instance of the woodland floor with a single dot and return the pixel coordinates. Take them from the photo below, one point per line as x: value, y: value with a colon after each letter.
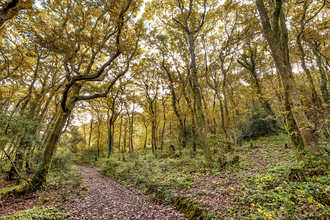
x: 256, y: 188
x: 107, y: 199
x: 92, y: 196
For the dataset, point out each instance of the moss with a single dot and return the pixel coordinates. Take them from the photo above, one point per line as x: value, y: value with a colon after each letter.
x: 46, y: 200
x: 190, y: 208
x: 40, y: 176
x: 297, y: 174
x: 297, y: 140
x: 14, y: 189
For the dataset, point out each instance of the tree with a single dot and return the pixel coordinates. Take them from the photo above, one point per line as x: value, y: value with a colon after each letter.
x: 189, y: 18
x: 303, y: 22
x: 82, y: 58
x: 149, y: 84
x: 277, y: 38
x: 112, y: 114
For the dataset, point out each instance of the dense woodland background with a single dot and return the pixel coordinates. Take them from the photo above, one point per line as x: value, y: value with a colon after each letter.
x: 109, y: 82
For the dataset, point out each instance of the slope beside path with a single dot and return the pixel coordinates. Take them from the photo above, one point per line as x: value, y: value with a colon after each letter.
x: 107, y: 199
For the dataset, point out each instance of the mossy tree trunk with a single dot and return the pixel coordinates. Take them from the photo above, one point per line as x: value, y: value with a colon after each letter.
x: 198, y: 98
x: 303, y: 22
x: 315, y: 97
x: 110, y: 138
x: 98, y: 136
x: 119, y: 138
x: 146, y: 137
x: 191, y: 26
x: 25, y: 144
x: 40, y: 176
x: 125, y: 135
x: 153, y: 136
x: 176, y: 110
x: 90, y: 132
x: 192, y: 112
x: 293, y: 130
x: 164, y: 123
x: 131, y: 129
x: 323, y: 84
x: 277, y: 38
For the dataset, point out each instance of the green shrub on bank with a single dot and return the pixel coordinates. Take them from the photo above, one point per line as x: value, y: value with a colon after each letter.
x: 147, y: 173
x: 60, y: 177
x: 62, y: 160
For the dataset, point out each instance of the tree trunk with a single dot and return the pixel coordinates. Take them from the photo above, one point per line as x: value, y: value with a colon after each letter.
x: 40, y: 176
x: 146, y: 138
x: 43, y: 168
x: 280, y: 53
x: 315, y: 98
x: 316, y: 101
x: 125, y: 134
x: 323, y: 84
x: 90, y: 133
x: 225, y: 106
x: 98, y: 138
x: 198, y: 98
x: 110, y: 139
x: 293, y: 130
x: 264, y: 102
x: 111, y: 130
x: 119, y: 138
x: 207, y: 115
x: 222, y: 114
x: 153, y: 137
x: 164, y: 124
x: 175, y: 108
x: 131, y: 132
x: 193, y: 129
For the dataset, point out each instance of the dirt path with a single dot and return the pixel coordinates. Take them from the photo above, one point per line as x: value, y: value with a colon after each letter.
x: 107, y: 199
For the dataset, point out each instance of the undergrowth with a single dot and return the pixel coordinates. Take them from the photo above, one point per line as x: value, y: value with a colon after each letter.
x: 63, y: 183
x: 271, y: 183
x: 38, y: 213
x: 147, y: 173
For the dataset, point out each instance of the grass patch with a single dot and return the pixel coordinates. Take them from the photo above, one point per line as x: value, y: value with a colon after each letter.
x: 38, y: 213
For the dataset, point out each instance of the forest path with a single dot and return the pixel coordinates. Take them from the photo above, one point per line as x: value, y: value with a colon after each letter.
x: 107, y: 199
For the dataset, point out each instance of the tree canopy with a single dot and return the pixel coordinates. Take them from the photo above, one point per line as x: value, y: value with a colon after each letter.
x: 120, y: 76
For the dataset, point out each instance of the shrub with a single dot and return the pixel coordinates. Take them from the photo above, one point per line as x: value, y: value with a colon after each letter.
x: 62, y: 160
x: 259, y: 124
x: 110, y: 166
x: 86, y: 156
